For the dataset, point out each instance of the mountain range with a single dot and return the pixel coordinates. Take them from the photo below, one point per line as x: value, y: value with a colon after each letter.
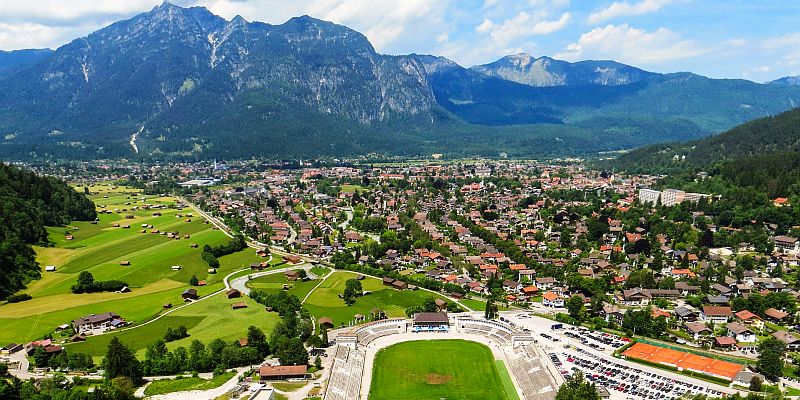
x: 183, y: 82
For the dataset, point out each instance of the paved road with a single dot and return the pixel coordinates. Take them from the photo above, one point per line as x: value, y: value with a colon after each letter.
x: 240, y: 283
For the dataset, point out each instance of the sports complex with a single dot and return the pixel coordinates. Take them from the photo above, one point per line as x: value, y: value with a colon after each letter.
x: 436, y: 356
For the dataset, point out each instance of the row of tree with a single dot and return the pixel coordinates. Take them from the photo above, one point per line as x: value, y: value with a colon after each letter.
x: 87, y: 284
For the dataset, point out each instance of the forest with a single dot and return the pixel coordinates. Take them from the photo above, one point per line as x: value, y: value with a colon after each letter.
x: 38, y: 201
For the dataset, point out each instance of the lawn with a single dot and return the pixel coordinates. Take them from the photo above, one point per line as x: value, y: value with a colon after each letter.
x: 476, y: 305
x: 206, y: 320
x: 186, y: 384
x: 505, y: 377
x: 351, y: 188
x: 98, y: 248
x: 437, y: 369
x: 325, y: 301
x: 274, y: 283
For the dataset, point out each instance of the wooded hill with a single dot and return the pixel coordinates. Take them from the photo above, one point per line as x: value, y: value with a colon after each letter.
x: 763, y: 154
x: 28, y: 203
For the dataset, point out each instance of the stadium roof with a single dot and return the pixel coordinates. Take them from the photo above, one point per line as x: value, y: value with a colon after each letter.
x: 431, y: 318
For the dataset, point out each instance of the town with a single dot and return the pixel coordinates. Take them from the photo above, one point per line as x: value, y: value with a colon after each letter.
x: 660, y: 275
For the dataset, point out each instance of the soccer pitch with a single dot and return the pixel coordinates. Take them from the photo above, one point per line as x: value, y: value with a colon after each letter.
x: 437, y: 369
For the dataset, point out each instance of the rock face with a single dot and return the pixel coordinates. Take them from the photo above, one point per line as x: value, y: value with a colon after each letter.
x: 171, y: 68
x: 184, y: 83
x: 545, y: 71
x: 787, y: 81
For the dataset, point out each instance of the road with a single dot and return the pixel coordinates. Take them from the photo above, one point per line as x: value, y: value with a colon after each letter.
x: 240, y: 283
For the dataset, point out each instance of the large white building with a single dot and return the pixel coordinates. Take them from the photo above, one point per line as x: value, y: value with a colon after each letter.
x: 669, y: 197
x: 649, y: 196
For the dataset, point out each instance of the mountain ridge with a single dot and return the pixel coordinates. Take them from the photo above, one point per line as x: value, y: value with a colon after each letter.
x: 199, y: 86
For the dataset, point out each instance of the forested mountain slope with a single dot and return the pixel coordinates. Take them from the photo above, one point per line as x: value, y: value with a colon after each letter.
x: 28, y: 203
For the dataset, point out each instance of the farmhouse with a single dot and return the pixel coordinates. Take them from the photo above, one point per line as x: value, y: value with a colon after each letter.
x: 269, y: 372
x: 189, y: 294
x: 292, y: 275
x: 97, y: 322
x: 293, y: 259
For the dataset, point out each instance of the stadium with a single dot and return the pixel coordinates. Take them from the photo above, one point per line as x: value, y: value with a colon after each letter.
x: 423, y: 356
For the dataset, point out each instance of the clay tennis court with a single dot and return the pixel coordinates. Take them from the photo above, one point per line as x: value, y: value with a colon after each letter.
x: 683, y: 360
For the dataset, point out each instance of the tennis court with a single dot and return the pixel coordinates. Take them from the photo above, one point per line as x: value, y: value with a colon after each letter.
x: 683, y: 360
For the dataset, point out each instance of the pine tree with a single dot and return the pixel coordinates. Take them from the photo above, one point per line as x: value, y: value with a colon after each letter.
x: 491, y: 309
x: 120, y: 361
x: 258, y: 340
x: 325, y: 337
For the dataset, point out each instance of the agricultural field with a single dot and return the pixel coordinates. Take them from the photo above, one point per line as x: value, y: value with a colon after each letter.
x: 99, y: 248
x: 437, y: 369
x: 325, y: 301
x: 206, y: 320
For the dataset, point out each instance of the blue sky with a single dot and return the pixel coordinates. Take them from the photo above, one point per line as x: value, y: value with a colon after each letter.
x: 756, y: 40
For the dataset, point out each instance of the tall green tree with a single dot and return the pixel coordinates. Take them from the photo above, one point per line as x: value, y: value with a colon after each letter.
x: 770, y: 358
x: 491, y: 309
x: 121, y: 362
x: 576, y: 308
x: 577, y: 388
x: 258, y: 340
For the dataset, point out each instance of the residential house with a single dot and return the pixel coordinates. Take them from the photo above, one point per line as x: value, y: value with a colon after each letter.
x: 792, y: 341
x: 741, y: 332
x: 551, y: 299
x: 752, y: 320
x: 97, y: 322
x: 716, y: 314
x: 698, y: 330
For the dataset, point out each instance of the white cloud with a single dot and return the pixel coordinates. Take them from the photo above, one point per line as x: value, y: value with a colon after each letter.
x: 624, y: 9
x: 522, y: 25
x: 60, y: 10
x: 786, y: 49
x: 631, y: 45
x: 383, y: 22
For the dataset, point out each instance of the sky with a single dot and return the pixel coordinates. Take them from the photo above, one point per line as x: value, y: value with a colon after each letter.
x: 755, y: 40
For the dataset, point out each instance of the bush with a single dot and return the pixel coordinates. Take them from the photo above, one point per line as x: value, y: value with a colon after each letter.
x: 16, y: 298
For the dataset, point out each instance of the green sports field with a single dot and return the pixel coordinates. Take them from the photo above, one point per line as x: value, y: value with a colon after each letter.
x: 437, y: 369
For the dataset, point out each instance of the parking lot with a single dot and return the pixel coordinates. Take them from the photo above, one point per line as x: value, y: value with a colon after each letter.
x: 573, y: 349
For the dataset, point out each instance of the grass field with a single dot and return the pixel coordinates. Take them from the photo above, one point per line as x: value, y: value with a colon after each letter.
x: 206, y: 320
x: 275, y: 283
x: 186, y: 384
x: 325, y: 301
x: 437, y: 369
x: 99, y: 248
